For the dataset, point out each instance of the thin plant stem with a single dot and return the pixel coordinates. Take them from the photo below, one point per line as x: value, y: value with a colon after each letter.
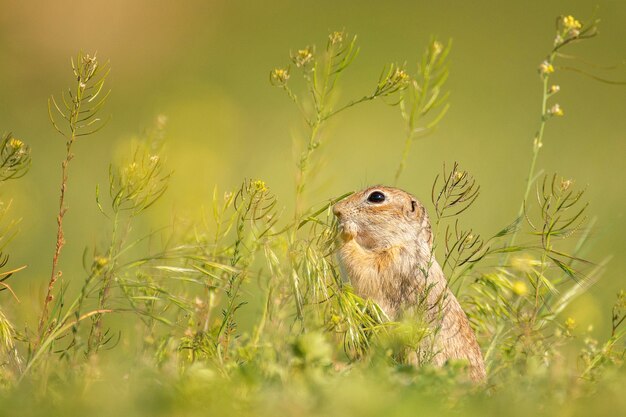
x: 60, y: 239
x: 537, y: 145
x: 114, y: 247
x: 78, y: 119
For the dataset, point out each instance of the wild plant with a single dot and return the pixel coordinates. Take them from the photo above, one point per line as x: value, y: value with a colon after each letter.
x: 568, y: 31
x: 134, y: 186
x: 14, y: 163
x: 518, y: 290
x: 14, y: 158
x: 78, y: 108
x: 424, y: 102
x: 316, y: 104
x: 597, y: 359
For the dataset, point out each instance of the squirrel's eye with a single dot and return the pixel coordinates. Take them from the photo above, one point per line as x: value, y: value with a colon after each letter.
x: 376, y: 197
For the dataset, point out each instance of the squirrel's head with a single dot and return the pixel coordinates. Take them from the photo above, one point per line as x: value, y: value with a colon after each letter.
x: 381, y: 217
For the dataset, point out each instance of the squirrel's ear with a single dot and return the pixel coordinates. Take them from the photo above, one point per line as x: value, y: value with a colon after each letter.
x: 413, y: 209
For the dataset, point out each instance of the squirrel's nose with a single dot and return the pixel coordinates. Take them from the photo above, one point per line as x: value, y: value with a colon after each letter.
x: 337, y: 211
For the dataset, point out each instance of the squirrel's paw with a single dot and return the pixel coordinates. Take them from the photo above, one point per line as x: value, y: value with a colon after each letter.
x: 347, y: 231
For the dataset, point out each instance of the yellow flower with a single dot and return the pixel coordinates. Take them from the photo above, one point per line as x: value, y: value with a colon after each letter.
x: 400, y: 76
x: 100, y: 262
x: 569, y: 22
x: 15, y: 143
x: 546, y: 68
x: 303, y: 57
x: 520, y: 288
x: 554, y: 89
x: 570, y: 323
x: 259, y: 186
x: 556, y: 110
x: 336, y: 37
x: 279, y: 76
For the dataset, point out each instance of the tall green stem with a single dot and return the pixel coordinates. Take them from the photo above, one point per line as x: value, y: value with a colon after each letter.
x: 537, y: 145
x: 60, y: 239
x: 95, y: 336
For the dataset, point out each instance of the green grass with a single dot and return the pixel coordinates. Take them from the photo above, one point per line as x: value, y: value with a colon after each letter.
x: 246, y: 311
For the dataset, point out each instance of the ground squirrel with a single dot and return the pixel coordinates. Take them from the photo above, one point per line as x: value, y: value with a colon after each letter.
x: 386, y: 250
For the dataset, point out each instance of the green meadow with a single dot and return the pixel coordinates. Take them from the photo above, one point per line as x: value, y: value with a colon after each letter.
x: 167, y: 177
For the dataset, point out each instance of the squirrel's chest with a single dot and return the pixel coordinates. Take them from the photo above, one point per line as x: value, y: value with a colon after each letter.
x: 387, y: 277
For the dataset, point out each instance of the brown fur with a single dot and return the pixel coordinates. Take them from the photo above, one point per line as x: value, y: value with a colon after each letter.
x: 386, y: 250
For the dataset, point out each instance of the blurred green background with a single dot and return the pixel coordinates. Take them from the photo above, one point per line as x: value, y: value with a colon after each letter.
x: 205, y: 65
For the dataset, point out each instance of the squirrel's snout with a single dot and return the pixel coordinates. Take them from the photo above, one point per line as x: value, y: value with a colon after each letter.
x: 337, y: 211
